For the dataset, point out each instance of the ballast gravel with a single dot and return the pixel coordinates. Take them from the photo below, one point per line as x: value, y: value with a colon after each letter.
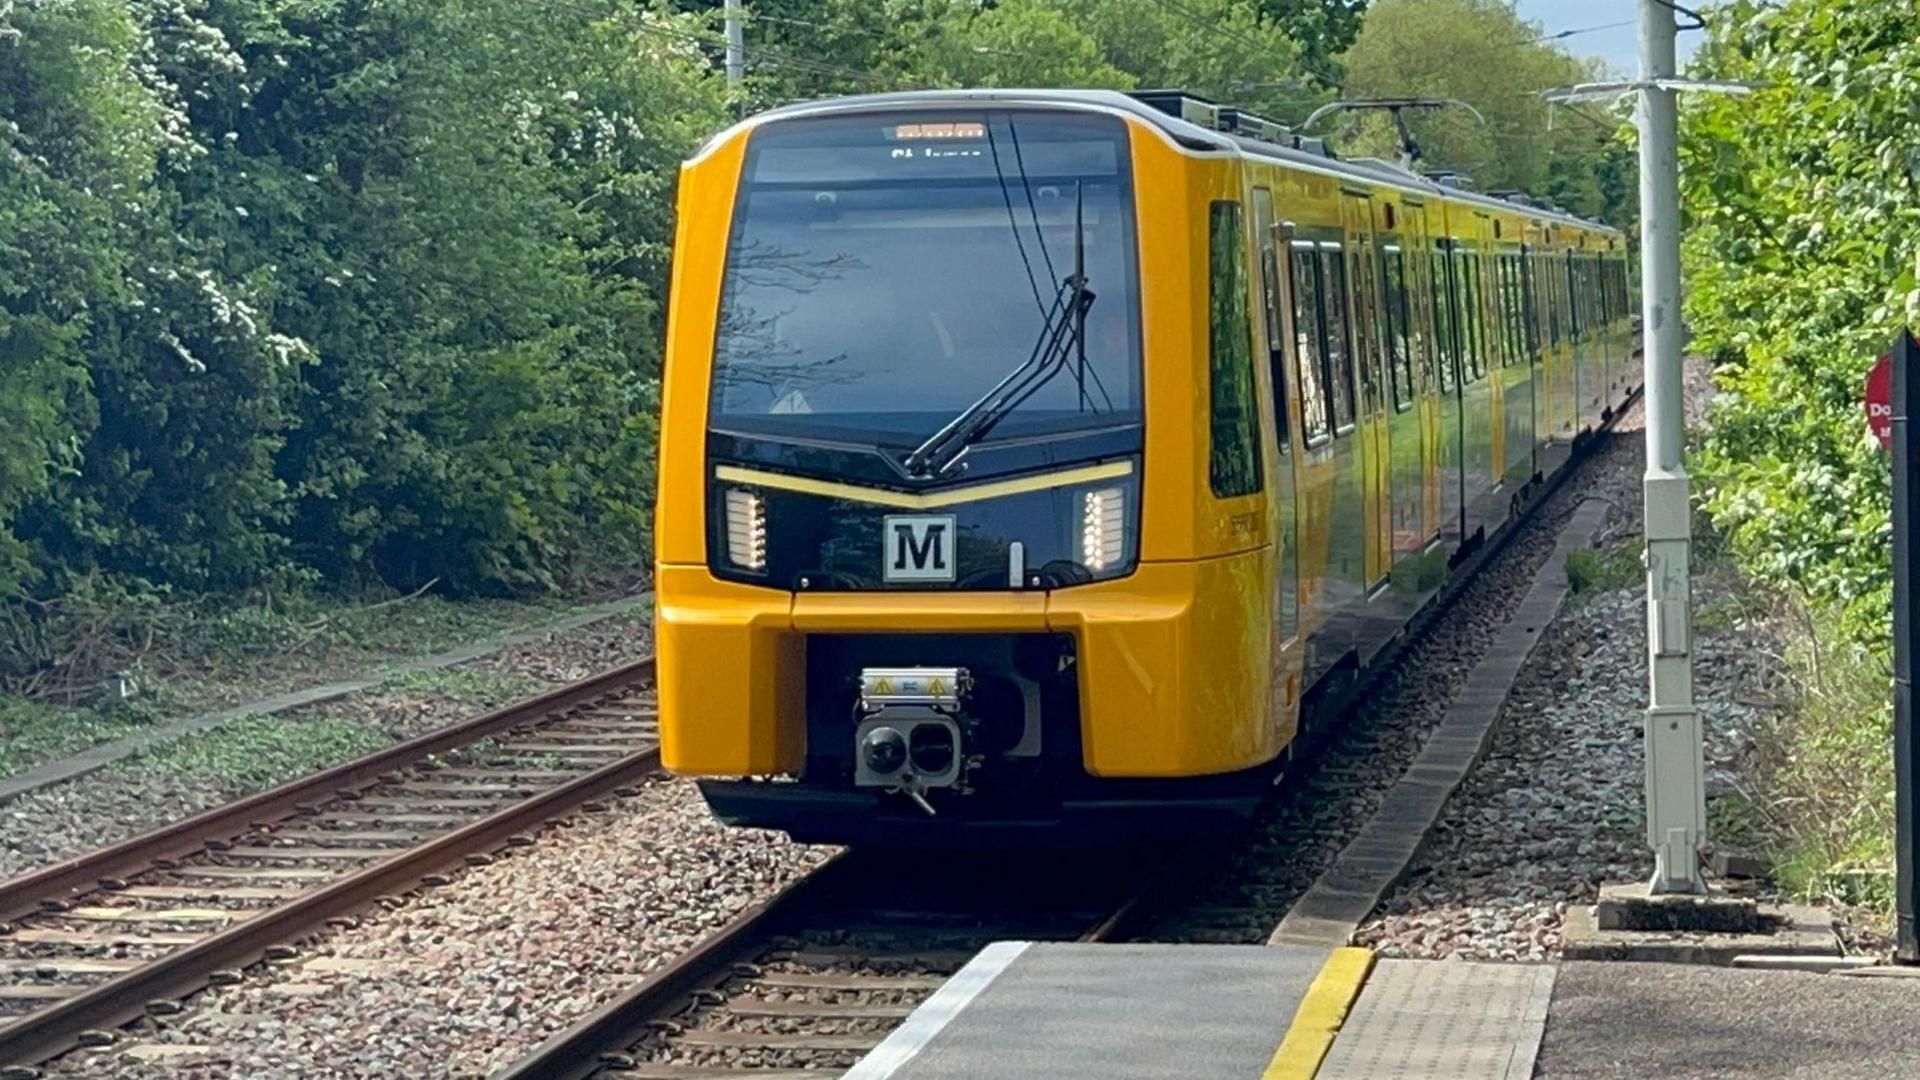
x: 1555, y: 808
x: 68, y: 819
x: 462, y: 980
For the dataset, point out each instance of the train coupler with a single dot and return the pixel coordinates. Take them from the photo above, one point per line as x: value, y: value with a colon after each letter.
x: 908, y: 734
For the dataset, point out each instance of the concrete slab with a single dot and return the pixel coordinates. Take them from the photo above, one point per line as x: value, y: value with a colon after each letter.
x: 1633, y: 1021
x: 1788, y: 931
x: 1443, y: 1020
x: 1102, y: 1012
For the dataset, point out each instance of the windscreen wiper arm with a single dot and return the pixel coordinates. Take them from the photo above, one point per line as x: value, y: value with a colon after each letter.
x: 1063, y: 337
x: 1063, y: 331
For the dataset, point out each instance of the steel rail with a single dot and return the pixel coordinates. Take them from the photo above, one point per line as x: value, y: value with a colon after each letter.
x: 30, y: 893
x: 581, y: 1050
x: 57, y: 1028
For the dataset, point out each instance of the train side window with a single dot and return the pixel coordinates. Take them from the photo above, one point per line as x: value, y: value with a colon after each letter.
x: 1503, y: 307
x: 1309, y: 352
x: 1365, y: 350
x: 1467, y: 315
x: 1483, y: 334
x: 1445, y: 349
x: 1516, y: 312
x: 1234, y: 464
x: 1556, y: 326
x: 1333, y: 279
x: 1263, y: 236
x: 1399, y: 345
x: 1567, y: 299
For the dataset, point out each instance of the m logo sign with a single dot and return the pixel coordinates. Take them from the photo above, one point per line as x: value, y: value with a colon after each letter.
x: 918, y: 547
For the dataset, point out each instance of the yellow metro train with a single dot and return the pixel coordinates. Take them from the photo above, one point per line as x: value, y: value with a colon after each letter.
x: 1038, y: 459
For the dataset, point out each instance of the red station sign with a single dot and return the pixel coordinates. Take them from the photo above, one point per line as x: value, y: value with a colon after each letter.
x: 1880, y: 400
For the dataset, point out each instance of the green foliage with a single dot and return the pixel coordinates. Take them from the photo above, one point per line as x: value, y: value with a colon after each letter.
x: 1824, y: 773
x: 32, y: 732
x: 1264, y: 56
x: 463, y: 685
x: 258, y: 752
x: 1481, y: 52
x: 77, y: 137
x: 1590, y: 570
x: 301, y: 289
x: 1802, y: 227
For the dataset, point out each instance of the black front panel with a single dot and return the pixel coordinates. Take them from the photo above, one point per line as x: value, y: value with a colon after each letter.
x: 819, y: 542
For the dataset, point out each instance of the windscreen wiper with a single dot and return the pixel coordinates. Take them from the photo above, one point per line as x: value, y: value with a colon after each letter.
x: 1063, y: 337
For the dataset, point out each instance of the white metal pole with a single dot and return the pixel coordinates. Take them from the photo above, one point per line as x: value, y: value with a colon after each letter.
x: 1676, y: 799
x: 736, y: 46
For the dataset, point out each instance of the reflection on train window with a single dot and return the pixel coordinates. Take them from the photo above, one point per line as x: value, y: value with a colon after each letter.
x: 1333, y: 276
x: 1234, y: 464
x: 1465, y: 323
x: 1511, y: 309
x: 1366, y: 356
x: 1309, y: 351
x: 1263, y: 231
x: 1399, y: 348
x: 874, y: 296
x: 1446, y: 350
x: 1483, y: 341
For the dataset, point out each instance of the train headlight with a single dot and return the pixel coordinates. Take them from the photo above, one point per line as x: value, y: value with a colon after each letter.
x: 746, y: 529
x: 1103, y: 528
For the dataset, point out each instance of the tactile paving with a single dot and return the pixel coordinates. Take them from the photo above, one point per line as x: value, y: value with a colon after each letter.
x: 1443, y: 1020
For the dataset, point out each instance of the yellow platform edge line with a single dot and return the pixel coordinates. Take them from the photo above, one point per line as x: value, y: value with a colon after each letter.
x: 1322, y: 1010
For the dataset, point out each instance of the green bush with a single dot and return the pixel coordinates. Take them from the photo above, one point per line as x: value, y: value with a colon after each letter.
x: 1799, y: 256
x: 1591, y: 570
x: 1824, y: 767
x: 299, y: 290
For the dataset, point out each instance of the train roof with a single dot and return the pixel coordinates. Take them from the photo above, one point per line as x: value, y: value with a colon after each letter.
x: 1169, y: 112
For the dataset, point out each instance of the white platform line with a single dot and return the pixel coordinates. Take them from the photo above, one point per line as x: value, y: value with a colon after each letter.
x: 935, y: 1013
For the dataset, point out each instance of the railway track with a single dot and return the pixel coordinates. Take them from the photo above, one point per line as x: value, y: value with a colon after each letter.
x: 94, y: 942
x: 807, y: 982
x: 804, y: 985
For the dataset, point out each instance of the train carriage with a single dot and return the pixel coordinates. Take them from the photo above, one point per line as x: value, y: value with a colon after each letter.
x: 1038, y: 460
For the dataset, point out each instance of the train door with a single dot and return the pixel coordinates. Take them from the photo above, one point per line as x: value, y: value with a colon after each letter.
x: 1272, y: 245
x: 1363, y: 275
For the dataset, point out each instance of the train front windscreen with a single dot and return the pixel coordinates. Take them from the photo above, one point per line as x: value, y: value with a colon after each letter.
x: 898, y: 279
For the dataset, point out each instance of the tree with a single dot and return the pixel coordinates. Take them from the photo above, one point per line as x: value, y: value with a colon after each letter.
x: 1322, y: 28
x: 334, y: 288
x: 1481, y: 52
x: 1230, y: 50
x: 1801, y: 231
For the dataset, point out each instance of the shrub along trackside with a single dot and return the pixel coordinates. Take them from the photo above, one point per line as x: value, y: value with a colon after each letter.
x: 302, y: 290
x: 1800, y: 261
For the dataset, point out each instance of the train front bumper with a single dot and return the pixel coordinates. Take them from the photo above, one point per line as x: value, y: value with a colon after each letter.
x: 1172, y: 664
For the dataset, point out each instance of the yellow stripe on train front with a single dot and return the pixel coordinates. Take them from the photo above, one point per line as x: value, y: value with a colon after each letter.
x: 902, y: 500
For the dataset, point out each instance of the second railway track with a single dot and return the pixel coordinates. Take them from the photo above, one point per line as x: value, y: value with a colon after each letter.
x: 95, y: 941
x: 806, y: 983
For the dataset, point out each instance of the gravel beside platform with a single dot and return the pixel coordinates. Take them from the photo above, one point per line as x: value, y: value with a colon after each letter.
x: 67, y: 819
x: 1556, y: 806
x: 461, y: 980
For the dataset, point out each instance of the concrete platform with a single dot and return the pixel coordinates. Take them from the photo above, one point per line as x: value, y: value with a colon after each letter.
x: 1627, y: 1020
x: 1239, y: 1012
x: 1104, y: 1012
x: 1443, y: 1020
